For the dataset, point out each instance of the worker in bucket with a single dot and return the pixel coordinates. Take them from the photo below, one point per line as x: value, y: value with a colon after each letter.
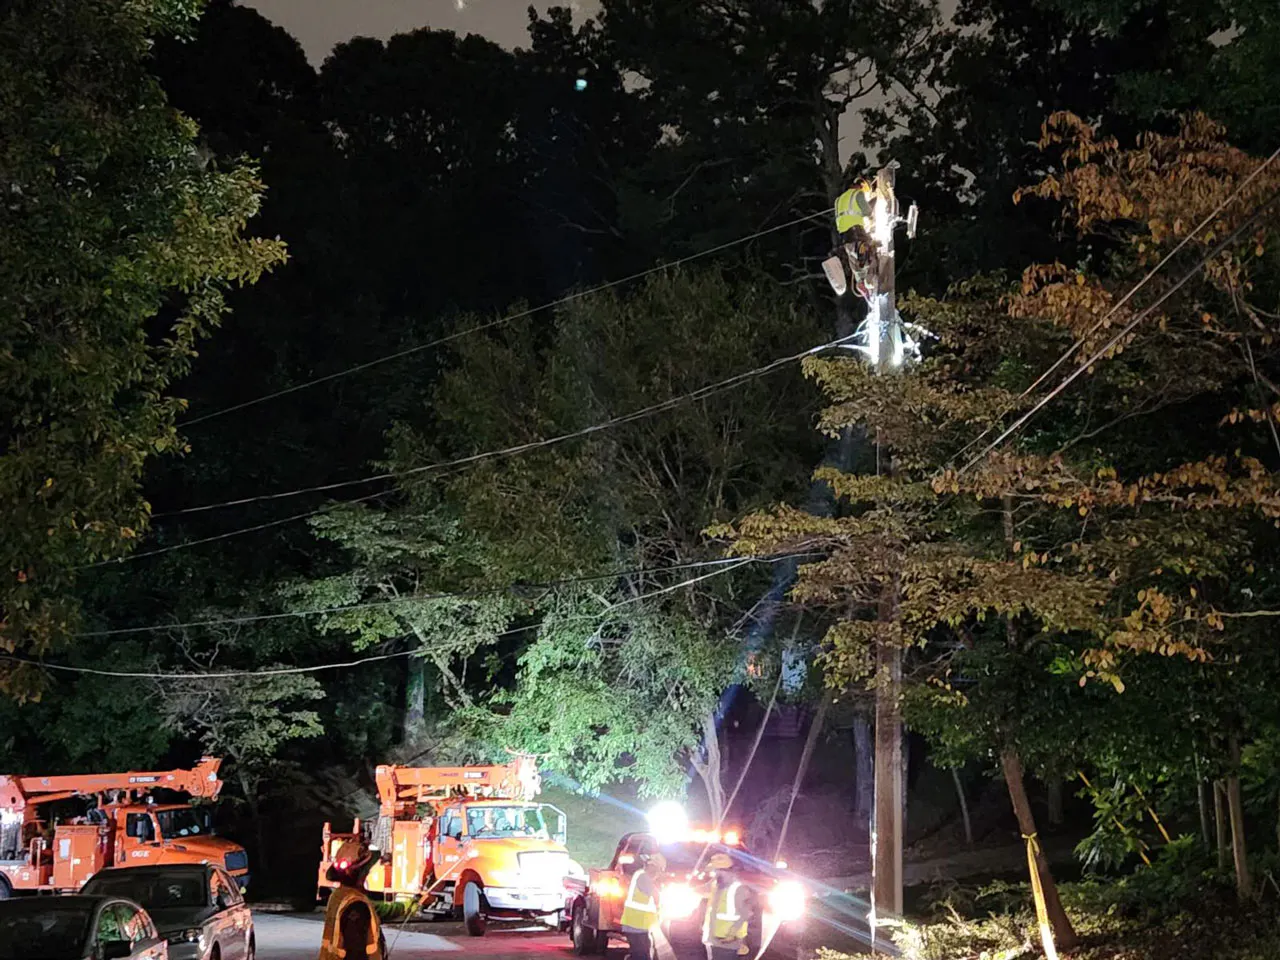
x: 640, y: 908
x: 856, y: 254
x: 731, y: 906
x: 351, y: 928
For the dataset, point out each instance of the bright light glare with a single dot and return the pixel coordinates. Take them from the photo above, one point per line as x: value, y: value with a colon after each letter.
x: 731, y: 837
x: 668, y: 822
x: 677, y: 901
x: 786, y: 901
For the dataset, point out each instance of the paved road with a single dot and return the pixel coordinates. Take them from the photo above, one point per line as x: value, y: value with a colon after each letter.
x: 297, y: 937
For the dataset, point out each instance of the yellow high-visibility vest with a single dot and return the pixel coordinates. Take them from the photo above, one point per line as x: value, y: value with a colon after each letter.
x: 639, y: 911
x: 331, y: 940
x: 852, y: 208
x: 723, y: 924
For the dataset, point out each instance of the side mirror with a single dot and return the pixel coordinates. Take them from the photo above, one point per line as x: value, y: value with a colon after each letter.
x: 116, y: 950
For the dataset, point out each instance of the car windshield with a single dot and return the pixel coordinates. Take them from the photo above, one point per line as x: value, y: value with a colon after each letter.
x: 155, y: 890
x: 507, y: 821
x: 44, y: 929
x: 180, y: 822
x: 683, y: 856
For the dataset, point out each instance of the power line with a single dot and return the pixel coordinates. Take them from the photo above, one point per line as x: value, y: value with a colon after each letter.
x: 128, y: 558
x: 727, y: 566
x: 730, y: 563
x: 660, y: 407
x: 510, y: 318
x: 1128, y: 328
x: 1133, y: 291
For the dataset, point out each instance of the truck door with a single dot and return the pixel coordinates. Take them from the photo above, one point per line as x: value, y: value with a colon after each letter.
x: 448, y: 847
x: 140, y: 843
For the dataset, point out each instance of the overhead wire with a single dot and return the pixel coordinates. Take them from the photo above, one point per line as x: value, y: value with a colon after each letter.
x: 730, y: 563
x: 1102, y: 352
x: 510, y: 318
x: 647, y: 411
x: 726, y: 566
x: 1133, y: 291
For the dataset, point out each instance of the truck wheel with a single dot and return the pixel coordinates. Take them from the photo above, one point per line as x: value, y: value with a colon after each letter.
x: 471, y: 914
x: 6, y: 891
x: 587, y: 941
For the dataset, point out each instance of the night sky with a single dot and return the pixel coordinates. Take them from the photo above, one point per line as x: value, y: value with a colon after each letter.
x: 319, y: 24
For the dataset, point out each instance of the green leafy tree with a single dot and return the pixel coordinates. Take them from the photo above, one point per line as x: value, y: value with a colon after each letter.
x: 611, y: 691
x: 406, y: 572
x: 248, y: 720
x: 117, y: 243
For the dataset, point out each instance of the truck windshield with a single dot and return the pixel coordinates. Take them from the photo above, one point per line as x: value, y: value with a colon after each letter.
x: 513, y: 821
x: 181, y: 822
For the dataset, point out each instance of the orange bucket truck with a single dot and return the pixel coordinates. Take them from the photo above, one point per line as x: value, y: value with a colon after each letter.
x: 468, y: 841
x: 124, y: 828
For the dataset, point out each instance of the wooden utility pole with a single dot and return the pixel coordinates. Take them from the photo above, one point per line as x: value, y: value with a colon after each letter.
x: 884, y: 340
x: 886, y: 336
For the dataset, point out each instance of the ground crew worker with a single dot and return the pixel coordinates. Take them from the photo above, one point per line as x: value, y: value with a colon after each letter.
x: 351, y: 928
x: 640, y: 908
x: 730, y: 910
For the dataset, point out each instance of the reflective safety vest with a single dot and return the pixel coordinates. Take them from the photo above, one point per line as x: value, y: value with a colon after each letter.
x: 639, y: 911
x: 331, y: 948
x: 723, y: 925
x: 852, y: 209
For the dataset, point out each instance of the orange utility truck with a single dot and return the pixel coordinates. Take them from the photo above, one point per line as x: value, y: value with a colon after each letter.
x: 124, y: 829
x: 466, y: 841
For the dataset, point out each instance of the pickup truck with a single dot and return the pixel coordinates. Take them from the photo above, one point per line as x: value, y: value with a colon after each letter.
x: 593, y: 908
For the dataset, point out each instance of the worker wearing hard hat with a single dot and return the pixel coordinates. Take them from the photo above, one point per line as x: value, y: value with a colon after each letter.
x: 730, y: 909
x: 351, y: 928
x: 857, y: 251
x: 640, y: 908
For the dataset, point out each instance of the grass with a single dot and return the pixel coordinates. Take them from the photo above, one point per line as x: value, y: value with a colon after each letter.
x: 595, y: 823
x: 997, y: 923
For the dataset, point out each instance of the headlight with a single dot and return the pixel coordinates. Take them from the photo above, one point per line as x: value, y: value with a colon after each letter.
x: 676, y: 901
x: 192, y: 935
x: 505, y: 878
x: 786, y: 901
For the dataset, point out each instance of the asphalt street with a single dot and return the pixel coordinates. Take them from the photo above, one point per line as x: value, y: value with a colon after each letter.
x: 297, y: 937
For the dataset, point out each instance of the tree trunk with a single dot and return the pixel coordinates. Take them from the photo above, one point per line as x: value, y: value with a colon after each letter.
x: 1053, y: 794
x: 1063, y: 933
x: 1220, y: 821
x: 863, y: 762
x: 1202, y: 801
x: 1235, y: 808
x: 964, y: 807
x: 710, y: 770
x: 250, y: 790
x: 415, y: 702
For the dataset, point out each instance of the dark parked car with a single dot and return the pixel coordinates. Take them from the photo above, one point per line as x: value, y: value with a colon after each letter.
x: 78, y: 928
x: 198, y: 907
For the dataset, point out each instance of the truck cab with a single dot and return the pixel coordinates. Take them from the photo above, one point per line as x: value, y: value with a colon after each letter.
x: 152, y: 834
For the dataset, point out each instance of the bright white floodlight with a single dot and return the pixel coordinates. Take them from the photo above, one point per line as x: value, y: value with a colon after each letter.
x: 668, y: 822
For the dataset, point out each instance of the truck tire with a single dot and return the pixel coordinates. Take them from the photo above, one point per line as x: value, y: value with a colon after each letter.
x: 587, y: 941
x: 471, y: 909
x: 6, y: 891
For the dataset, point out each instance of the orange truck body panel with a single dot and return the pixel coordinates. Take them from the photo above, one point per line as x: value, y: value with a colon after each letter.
x: 34, y: 857
x: 420, y: 864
